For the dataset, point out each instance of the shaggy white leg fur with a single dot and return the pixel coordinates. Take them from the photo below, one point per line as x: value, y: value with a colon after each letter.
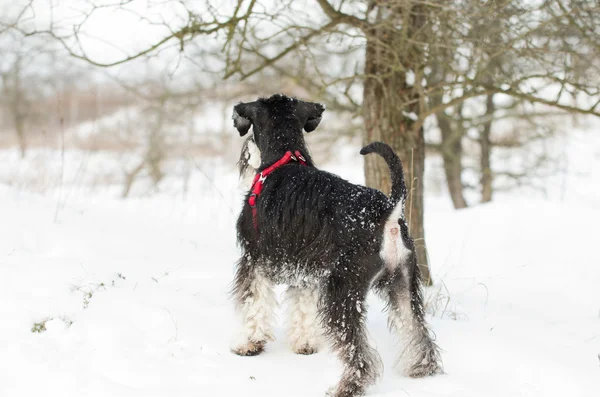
x: 401, y: 320
x: 253, y: 158
x: 419, y: 355
x: 257, y: 309
x: 304, y: 326
x: 393, y: 251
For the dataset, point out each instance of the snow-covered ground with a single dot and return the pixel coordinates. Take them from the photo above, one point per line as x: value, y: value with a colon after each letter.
x: 130, y: 297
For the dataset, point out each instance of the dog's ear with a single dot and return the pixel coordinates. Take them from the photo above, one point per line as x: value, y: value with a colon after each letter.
x: 315, y: 110
x: 243, y: 115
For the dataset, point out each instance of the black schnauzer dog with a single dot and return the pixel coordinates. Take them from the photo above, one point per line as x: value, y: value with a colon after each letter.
x: 331, y: 241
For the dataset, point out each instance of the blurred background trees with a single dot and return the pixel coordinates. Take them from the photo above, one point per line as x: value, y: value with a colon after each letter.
x: 478, y: 85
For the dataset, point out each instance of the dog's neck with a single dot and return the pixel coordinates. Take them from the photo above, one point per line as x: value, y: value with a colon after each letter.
x: 276, y: 151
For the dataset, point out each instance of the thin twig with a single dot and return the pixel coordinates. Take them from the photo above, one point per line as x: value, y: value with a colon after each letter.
x: 412, y: 169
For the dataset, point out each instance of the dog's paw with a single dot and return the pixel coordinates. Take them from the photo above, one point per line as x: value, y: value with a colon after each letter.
x: 306, y: 350
x: 249, y: 349
x: 425, y: 368
x: 424, y: 360
x: 344, y: 392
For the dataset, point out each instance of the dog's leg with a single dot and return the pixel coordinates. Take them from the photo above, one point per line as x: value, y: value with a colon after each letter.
x: 343, y: 311
x: 402, y: 290
x: 255, y: 302
x: 304, y: 326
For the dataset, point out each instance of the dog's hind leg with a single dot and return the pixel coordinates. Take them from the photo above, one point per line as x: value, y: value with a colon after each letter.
x: 255, y: 302
x: 401, y: 288
x: 304, y: 326
x: 343, y: 312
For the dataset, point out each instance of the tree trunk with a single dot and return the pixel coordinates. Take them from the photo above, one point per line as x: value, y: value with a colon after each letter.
x: 155, y: 154
x: 486, y: 148
x: 17, y: 107
x: 452, y: 156
x: 130, y: 178
x: 385, y: 102
x: 451, y: 151
x: 20, y: 128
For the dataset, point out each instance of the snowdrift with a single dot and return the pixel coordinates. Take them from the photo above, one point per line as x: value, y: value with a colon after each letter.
x: 106, y: 297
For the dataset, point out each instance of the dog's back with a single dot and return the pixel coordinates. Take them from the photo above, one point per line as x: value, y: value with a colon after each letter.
x: 308, y: 217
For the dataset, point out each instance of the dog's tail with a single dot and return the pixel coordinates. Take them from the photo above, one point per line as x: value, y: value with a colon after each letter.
x: 393, y: 161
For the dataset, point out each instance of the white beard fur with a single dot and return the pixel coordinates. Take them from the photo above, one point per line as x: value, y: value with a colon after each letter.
x: 254, y: 160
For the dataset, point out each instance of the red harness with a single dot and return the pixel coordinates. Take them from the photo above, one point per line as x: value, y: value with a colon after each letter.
x: 259, y: 179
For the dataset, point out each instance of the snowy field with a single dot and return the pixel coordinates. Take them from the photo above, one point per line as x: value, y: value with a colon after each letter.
x: 109, y: 297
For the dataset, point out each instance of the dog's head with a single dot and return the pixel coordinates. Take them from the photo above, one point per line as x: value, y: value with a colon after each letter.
x: 277, y: 120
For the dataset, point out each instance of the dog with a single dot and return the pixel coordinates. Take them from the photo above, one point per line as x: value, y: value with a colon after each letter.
x: 331, y: 242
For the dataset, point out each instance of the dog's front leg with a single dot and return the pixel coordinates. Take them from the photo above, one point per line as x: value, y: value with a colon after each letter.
x: 255, y: 302
x: 303, y: 323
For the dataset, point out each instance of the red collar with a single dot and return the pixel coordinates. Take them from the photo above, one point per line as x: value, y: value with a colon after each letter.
x: 259, y: 179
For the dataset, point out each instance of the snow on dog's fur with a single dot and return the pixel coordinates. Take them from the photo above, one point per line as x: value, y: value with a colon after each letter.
x: 330, y: 241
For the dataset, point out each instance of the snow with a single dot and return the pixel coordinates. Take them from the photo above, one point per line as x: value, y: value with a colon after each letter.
x: 133, y: 295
